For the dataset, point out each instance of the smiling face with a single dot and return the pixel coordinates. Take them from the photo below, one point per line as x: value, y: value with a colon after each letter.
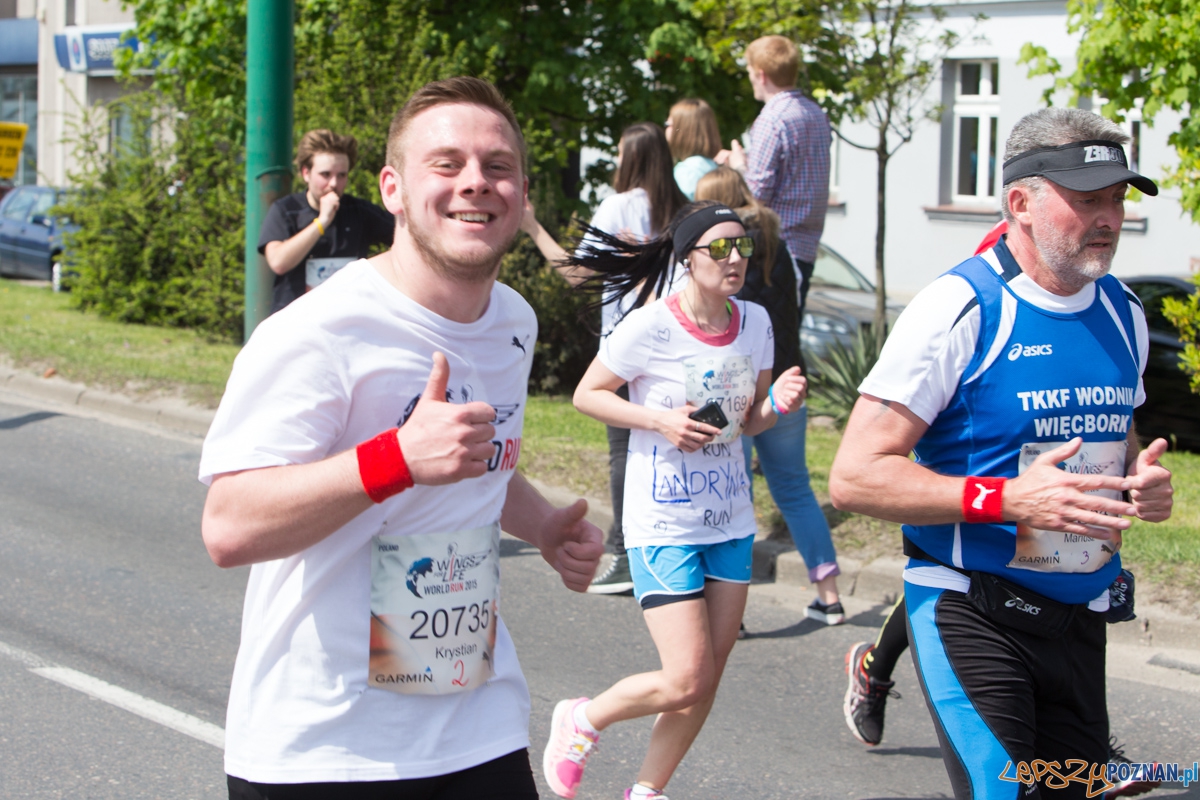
x: 722, y: 278
x: 328, y: 173
x: 461, y: 191
x: 1076, y: 233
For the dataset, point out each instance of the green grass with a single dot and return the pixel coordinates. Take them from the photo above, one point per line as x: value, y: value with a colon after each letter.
x: 39, y: 329
x: 1168, y: 553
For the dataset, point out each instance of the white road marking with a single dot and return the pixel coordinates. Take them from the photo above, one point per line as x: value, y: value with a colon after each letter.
x: 121, y: 698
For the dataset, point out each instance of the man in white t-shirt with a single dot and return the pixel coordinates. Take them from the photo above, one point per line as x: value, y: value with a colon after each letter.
x: 363, y: 460
x: 1013, y: 378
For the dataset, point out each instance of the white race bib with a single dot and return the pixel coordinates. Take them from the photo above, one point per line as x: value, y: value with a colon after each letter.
x: 434, y: 600
x: 730, y: 381
x: 319, y: 270
x: 1056, y: 551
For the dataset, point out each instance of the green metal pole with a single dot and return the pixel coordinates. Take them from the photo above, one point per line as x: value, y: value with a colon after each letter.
x: 269, y: 59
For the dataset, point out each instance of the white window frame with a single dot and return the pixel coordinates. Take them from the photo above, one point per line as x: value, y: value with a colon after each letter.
x: 985, y: 107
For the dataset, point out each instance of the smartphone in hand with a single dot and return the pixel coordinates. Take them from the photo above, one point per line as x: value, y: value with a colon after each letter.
x: 710, y: 414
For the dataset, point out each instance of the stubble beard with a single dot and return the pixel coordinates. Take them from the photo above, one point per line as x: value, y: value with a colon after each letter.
x: 1071, y: 260
x: 478, y: 269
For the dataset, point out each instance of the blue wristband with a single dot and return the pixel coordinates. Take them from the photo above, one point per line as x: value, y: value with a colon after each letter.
x: 775, y: 407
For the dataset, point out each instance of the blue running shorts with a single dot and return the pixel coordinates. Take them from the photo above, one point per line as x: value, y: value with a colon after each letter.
x: 665, y: 574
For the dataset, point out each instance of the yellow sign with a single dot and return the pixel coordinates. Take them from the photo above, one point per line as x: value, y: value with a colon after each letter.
x: 12, y: 139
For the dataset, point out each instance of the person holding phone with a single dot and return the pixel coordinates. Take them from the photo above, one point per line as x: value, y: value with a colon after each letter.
x: 698, y: 365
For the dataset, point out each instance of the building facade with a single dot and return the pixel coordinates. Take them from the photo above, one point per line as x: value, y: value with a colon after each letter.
x: 944, y: 185
x: 19, y: 80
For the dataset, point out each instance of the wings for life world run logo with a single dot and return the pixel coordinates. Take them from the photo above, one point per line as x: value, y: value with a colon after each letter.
x: 432, y: 576
x: 1098, y: 778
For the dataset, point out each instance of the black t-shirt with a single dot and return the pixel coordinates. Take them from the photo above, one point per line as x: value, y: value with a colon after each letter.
x: 357, y: 226
x: 779, y: 299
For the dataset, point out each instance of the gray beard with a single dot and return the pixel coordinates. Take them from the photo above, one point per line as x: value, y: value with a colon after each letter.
x: 1071, y: 261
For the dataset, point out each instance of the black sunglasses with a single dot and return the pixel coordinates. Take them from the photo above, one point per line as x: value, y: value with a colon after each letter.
x: 721, y: 248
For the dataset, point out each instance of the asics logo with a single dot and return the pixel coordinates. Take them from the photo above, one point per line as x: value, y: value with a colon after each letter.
x: 1018, y: 350
x: 1020, y: 605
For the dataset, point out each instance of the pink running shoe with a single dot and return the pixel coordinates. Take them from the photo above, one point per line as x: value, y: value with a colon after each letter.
x: 568, y: 749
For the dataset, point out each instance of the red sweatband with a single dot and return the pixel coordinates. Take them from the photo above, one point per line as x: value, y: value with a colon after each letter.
x: 382, y: 467
x: 982, y: 499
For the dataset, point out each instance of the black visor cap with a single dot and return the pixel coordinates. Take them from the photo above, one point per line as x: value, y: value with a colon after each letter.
x: 1079, y: 166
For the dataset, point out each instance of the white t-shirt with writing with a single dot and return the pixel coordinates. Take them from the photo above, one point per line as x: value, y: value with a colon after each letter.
x: 673, y: 497
x: 333, y: 369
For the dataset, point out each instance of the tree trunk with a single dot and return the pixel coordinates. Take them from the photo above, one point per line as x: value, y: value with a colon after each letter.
x: 881, y: 321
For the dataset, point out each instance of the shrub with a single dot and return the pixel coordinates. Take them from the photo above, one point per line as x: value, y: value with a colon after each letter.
x: 835, y: 379
x: 160, y: 224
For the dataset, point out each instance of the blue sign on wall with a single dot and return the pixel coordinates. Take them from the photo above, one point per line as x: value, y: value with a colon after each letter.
x: 90, y: 48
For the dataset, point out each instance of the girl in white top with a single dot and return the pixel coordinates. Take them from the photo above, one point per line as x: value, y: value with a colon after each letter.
x: 647, y: 199
x: 689, y: 522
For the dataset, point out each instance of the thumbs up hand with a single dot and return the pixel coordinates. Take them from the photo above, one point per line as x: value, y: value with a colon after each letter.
x: 444, y: 443
x: 1150, y: 484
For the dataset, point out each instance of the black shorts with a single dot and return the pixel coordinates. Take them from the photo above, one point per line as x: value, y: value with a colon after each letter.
x: 506, y: 778
x: 1002, y: 698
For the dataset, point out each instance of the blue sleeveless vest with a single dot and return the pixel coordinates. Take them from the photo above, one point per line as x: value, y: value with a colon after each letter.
x: 1053, y: 377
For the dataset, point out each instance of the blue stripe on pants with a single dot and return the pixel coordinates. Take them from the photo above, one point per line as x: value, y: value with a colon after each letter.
x: 972, y: 742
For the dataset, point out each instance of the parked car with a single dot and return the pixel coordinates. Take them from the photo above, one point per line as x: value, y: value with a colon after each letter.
x: 840, y: 302
x: 1170, y: 407
x: 30, y: 237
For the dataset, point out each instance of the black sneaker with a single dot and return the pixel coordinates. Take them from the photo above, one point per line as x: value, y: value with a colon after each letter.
x: 866, y: 697
x: 832, y: 614
x: 1128, y: 787
x: 614, y: 580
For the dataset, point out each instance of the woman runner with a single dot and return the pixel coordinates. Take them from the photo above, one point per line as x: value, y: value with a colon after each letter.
x: 688, y: 522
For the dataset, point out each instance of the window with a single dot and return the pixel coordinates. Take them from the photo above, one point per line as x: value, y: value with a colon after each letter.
x: 18, y: 103
x: 17, y: 207
x: 976, y: 115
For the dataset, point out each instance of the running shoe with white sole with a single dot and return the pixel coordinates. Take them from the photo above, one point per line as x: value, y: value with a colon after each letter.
x: 832, y: 614
x: 653, y: 796
x: 568, y: 749
x: 614, y: 580
x: 1128, y: 787
x: 865, y: 697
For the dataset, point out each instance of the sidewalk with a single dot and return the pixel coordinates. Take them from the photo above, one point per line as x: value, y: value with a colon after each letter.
x: 1160, y: 640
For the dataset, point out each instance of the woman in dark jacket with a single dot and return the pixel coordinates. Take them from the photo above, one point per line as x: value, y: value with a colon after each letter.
x: 771, y: 282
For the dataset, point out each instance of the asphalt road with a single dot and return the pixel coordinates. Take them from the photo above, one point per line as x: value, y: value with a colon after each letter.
x: 105, y: 585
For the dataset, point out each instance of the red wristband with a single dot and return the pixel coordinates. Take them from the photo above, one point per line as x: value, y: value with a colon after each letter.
x: 982, y: 499
x: 382, y: 467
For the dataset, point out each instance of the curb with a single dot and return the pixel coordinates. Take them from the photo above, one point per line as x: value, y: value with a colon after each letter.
x: 169, y: 413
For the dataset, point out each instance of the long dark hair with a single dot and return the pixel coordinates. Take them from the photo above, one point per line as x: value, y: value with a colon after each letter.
x: 646, y: 163
x: 619, y: 267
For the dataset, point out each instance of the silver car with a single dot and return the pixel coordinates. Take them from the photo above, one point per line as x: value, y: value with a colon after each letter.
x: 840, y: 302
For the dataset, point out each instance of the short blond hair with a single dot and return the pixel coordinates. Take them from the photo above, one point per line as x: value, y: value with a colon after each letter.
x: 777, y: 57
x: 694, y: 130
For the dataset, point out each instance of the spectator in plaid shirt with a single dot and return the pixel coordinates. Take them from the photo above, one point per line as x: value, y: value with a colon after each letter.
x: 787, y: 169
x: 786, y: 160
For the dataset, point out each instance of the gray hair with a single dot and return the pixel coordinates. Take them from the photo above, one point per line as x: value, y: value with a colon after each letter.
x: 1051, y: 127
